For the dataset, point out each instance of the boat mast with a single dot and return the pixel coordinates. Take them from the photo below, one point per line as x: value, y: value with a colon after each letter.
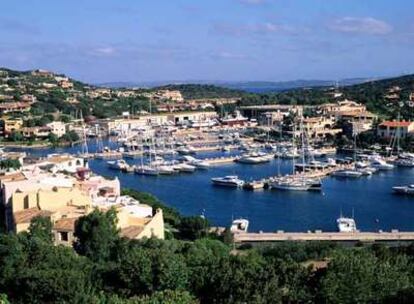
x: 303, y: 145
x: 84, y: 148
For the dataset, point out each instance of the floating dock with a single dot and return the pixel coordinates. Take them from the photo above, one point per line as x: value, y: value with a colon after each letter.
x: 280, y: 236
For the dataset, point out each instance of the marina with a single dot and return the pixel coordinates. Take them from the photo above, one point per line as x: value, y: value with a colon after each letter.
x: 376, y: 206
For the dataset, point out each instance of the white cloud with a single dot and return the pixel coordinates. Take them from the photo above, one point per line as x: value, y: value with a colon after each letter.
x: 266, y: 28
x: 366, y: 25
x: 104, y: 51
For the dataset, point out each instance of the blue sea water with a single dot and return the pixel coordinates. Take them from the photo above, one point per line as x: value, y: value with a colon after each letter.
x: 371, y: 198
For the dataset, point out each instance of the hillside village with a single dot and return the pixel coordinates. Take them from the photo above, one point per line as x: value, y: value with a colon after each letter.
x: 41, y: 107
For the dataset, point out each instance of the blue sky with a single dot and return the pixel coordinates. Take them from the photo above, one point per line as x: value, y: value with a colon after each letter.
x: 151, y: 40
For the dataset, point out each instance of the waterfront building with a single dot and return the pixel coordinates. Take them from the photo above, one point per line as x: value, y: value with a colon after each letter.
x: 285, y: 110
x: 358, y: 122
x: 57, y: 127
x: 340, y: 108
x: 397, y: 129
x: 143, y: 121
x: 320, y: 127
x: 36, y: 132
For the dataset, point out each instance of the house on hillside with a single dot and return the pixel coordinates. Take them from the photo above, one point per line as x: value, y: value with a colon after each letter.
x: 399, y: 129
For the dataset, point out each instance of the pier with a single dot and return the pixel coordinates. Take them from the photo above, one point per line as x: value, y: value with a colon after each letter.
x: 281, y: 236
x: 317, y: 173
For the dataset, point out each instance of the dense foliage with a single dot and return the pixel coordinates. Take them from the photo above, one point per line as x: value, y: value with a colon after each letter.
x: 108, y: 269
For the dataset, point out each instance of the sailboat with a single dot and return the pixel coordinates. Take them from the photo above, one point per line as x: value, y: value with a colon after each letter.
x: 300, y: 183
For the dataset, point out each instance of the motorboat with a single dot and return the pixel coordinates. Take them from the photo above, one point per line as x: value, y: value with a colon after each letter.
x: 183, y: 167
x: 404, y: 189
x: 315, y: 184
x: 367, y: 170
x: 347, y: 173
x: 346, y: 224
x: 147, y: 170
x: 166, y: 170
x: 405, y: 162
x: 198, y: 163
x: 228, y: 181
x: 118, y: 164
x: 381, y: 164
x: 291, y: 185
x: 253, y: 158
x: 186, y: 150
x: 239, y: 226
x: 361, y: 164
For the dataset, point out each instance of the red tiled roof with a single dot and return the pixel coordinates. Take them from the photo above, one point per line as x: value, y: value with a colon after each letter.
x: 26, y: 215
x: 396, y: 124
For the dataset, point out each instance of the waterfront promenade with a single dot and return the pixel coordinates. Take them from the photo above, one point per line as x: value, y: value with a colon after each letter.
x: 380, y: 236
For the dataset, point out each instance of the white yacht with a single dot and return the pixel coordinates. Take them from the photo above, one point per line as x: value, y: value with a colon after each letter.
x: 166, y: 170
x: 198, y: 163
x: 347, y: 173
x: 346, y: 224
x: 405, y: 162
x: 254, y: 158
x: 381, y: 164
x: 228, y: 181
x: 118, y: 164
x: 367, y: 171
x: 146, y: 170
x: 183, y: 167
x: 239, y: 225
x: 291, y: 185
x: 404, y: 189
x: 185, y: 150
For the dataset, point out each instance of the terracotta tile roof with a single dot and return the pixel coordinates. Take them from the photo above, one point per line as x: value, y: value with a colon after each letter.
x: 16, y: 176
x: 131, y: 232
x: 26, y: 215
x: 65, y: 224
x: 396, y: 124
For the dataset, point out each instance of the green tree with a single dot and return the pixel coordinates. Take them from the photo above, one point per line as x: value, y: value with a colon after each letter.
x: 96, y: 234
x: 7, y: 164
x: 53, y: 139
x: 193, y: 227
x: 70, y: 136
x: 41, y: 228
x: 167, y: 297
x: 359, y: 276
x: 16, y: 136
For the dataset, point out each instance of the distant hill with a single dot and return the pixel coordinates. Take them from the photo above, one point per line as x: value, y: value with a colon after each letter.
x: 268, y: 86
x: 248, y: 86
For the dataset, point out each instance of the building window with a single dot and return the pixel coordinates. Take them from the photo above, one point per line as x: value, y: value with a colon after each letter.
x: 26, y: 202
x: 64, y: 236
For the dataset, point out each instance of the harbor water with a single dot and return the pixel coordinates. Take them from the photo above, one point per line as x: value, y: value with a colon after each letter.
x: 370, y: 198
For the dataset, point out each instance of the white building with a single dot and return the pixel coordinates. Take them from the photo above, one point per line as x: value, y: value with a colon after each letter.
x: 58, y: 128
